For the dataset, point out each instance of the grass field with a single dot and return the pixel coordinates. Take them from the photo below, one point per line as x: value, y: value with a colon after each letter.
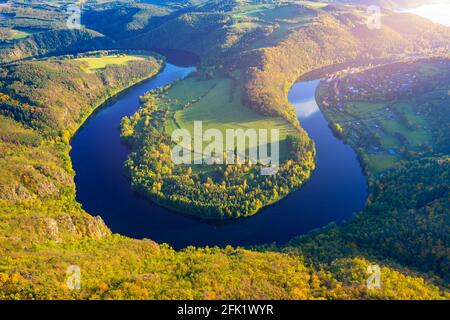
x: 381, y: 162
x: 95, y: 63
x: 17, y: 34
x: 282, y: 17
x: 270, y: 12
x: 217, y: 103
x: 252, y: 10
x: 313, y: 4
x: 7, y: 34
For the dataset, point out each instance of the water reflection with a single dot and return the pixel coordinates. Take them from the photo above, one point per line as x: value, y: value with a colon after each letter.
x: 306, y: 109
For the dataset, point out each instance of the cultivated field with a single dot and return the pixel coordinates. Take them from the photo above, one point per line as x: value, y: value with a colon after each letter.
x: 96, y: 63
x: 218, y: 104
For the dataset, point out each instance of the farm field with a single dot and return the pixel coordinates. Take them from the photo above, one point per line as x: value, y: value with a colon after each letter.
x: 282, y: 19
x: 217, y: 103
x: 96, y: 63
x: 7, y: 35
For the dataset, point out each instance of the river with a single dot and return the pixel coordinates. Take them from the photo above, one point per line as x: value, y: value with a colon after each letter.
x: 336, y: 190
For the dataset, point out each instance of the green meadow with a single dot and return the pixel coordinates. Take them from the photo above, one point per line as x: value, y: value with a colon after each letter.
x: 12, y: 34
x: 218, y: 104
x: 271, y: 12
x: 96, y: 63
x: 283, y: 19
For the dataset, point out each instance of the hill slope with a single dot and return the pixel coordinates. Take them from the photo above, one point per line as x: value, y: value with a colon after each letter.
x: 54, y: 42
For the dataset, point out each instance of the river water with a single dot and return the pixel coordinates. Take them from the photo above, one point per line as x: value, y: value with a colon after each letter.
x: 336, y: 190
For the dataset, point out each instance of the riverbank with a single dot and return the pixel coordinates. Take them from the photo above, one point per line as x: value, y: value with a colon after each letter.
x: 47, y: 235
x: 335, y: 192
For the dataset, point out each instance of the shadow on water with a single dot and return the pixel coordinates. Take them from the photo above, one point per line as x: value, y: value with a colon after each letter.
x: 336, y: 190
x: 178, y: 57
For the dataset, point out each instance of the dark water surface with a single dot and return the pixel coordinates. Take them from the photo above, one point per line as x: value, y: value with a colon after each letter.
x: 336, y: 190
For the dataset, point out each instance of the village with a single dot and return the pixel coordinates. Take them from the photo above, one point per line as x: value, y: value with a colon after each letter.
x: 386, y: 83
x: 377, y: 109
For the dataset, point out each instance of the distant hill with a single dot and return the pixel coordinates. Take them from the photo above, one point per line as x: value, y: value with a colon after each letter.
x: 120, y: 22
x: 54, y: 42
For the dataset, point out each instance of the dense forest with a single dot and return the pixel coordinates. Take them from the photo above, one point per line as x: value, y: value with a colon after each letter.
x: 53, y: 42
x: 43, y: 101
x: 406, y: 216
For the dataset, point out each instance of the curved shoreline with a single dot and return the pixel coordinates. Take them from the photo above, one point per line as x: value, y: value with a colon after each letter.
x: 105, y: 102
x: 98, y: 155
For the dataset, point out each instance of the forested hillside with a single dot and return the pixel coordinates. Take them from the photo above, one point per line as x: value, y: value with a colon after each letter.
x: 54, y: 42
x: 115, y: 267
x: 406, y: 220
x: 42, y: 103
x: 333, y: 36
x: 128, y: 20
x: 295, y: 39
x: 253, y: 51
x: 406, y: 160
x: 331, y: 41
